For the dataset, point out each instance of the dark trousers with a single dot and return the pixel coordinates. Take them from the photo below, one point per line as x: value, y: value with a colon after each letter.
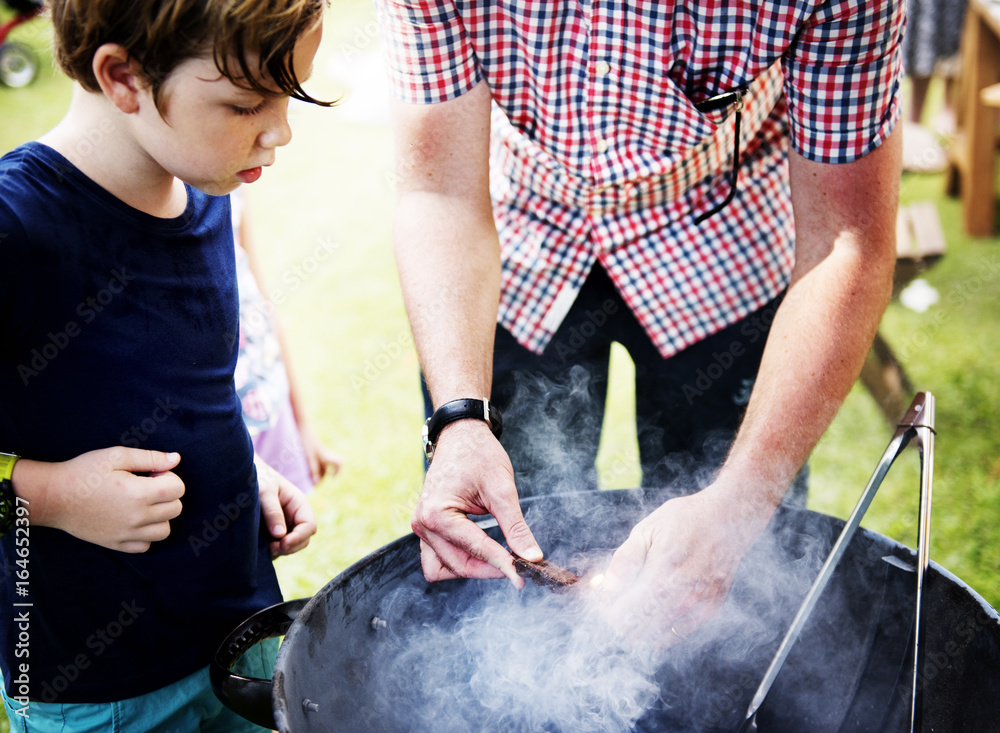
x: 688, y: 406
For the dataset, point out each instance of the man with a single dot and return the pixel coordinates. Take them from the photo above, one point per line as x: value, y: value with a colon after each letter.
x: 718, y: 176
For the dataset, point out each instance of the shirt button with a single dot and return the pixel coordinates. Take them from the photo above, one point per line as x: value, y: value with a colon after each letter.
x: 602, y: 68
x: 601, y: 146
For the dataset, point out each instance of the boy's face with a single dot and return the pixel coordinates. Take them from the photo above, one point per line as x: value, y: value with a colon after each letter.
x: 213, y: 134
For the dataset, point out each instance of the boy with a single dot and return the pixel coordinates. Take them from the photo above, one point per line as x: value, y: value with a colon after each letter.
x: 134, y: 541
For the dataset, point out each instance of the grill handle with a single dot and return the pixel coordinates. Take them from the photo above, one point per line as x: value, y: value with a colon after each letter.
x: 250, y: 697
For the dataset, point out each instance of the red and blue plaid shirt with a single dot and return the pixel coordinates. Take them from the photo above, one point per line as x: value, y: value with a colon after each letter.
x: 599, y: 153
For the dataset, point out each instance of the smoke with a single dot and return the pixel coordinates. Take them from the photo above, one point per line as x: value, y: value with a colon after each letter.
x: 552, y: 430
x: 482, y: 656
x: 530, y: 661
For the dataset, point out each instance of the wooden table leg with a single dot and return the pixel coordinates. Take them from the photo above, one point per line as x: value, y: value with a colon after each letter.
x: 884, y: 378
x: 980, y: 69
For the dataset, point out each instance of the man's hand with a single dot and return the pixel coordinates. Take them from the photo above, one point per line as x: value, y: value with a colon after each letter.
x: 471, y: 474
x: 119, y: 498
x: 285, y: 511
x: 674, y: 571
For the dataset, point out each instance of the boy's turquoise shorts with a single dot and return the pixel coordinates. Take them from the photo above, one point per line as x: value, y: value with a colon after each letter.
x: 185, y: 706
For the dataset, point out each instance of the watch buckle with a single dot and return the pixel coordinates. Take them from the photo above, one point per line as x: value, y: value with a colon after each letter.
x: 428, y: 445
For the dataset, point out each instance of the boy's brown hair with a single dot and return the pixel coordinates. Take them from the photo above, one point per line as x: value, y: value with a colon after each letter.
x: 160, y: 34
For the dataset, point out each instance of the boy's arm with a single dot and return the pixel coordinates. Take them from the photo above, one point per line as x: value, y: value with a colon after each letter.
x: 120, y: 498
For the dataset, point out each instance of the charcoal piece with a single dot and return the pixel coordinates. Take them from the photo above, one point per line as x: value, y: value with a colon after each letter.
x: 545, y: 574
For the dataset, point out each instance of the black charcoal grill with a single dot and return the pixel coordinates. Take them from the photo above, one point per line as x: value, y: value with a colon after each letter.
x: 851, y: 667
x: 325, y: 677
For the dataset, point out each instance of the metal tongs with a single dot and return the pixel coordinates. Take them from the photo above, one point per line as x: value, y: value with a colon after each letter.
x: 918, y: 422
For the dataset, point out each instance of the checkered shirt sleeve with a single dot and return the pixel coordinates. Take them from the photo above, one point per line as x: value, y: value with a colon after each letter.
x: 842, y: 79
x: 427, y: 49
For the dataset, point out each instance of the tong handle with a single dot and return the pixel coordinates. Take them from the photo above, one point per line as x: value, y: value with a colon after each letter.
x: 924, y: 434
x: 917, y: 422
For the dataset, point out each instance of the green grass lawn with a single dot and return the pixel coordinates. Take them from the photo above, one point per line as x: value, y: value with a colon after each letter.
x: 331, y: 192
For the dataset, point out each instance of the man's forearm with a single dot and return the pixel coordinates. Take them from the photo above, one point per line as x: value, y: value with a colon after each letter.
x: 449, y: 268
x: 845, y: 255
x: 446, y: 244
x: 818, y: 342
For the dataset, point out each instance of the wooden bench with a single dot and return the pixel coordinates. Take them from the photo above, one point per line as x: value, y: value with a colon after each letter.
x: 920, y: 243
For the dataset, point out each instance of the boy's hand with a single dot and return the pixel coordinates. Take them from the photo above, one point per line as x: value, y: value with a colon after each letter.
x: 99, y: 498
x: 285, y: 510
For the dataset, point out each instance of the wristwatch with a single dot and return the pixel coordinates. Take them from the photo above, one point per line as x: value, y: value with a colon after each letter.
x: 8, y: 502
x: 449, y: 412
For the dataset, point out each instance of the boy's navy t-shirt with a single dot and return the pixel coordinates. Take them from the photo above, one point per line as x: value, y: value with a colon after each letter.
x: 120, y: 329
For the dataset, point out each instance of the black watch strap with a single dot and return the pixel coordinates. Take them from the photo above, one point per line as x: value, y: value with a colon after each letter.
x: 449, y: 412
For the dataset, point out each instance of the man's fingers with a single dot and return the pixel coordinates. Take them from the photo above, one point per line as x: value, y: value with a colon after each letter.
x: 516, y: 531
x: 625, y: 566
x: 434, y: 570
x: 466, y: 553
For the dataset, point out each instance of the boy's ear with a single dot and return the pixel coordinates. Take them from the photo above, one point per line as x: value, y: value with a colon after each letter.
x: 117, y: 74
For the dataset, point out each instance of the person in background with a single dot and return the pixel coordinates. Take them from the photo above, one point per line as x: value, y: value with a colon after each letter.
x: 137, y: 532
x: 711, y: 184
x: 930, y: 48
x: 273, y: 408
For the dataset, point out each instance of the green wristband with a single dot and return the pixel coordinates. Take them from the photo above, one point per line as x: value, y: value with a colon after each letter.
x: 8, y: 502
